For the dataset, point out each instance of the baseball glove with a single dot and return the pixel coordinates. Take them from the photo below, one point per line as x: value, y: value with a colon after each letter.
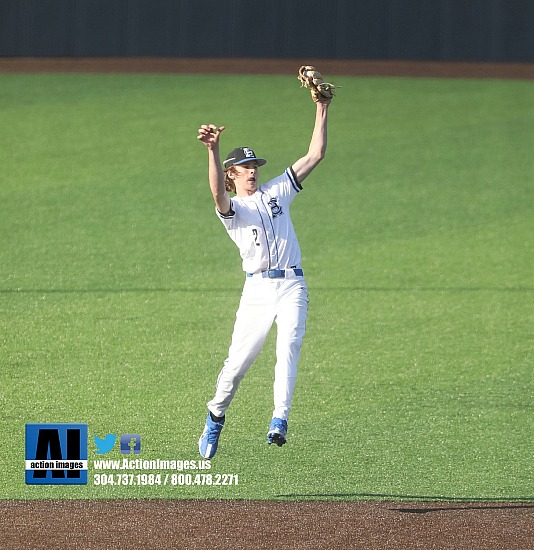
x: 311, y: 78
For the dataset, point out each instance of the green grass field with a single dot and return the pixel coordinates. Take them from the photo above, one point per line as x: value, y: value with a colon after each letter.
x: 118, y: 285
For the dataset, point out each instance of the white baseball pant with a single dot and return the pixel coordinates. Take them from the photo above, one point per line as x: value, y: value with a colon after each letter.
x: 264, y: 301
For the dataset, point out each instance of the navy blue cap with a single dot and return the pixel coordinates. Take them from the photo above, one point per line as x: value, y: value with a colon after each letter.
x: 240, y: 156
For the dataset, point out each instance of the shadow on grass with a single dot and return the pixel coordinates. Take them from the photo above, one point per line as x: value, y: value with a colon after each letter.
x: 428, y: 289
x: 314, y: 289
x: 111, y: 290
x: 521, y: 502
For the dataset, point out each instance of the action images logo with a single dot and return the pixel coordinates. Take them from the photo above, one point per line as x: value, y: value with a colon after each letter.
x: 56, y: 454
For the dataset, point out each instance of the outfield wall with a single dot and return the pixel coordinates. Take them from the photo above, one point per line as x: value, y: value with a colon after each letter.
x: 434, y: 30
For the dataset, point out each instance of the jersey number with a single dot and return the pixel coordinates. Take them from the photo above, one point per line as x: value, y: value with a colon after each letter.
x: 255, y: 231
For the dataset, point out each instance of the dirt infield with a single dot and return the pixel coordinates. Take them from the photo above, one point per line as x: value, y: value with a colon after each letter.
x: 216, y: 524
x: 523, y: 71
x: 260, y: 524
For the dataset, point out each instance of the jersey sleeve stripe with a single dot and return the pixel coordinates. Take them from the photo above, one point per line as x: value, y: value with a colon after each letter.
x: 230, y: 214
x: 293, y: 178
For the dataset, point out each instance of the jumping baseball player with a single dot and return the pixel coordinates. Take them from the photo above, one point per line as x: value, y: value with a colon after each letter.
x: 257, y: 219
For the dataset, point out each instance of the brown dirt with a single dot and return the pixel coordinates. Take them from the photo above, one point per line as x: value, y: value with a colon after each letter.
x: 190, y: 524
x: 270, y: 66
x: 265, y: 524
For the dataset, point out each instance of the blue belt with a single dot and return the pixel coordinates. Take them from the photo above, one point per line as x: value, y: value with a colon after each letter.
x: 277, y: 273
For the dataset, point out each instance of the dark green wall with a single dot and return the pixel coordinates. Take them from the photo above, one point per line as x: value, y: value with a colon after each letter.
x: 448, y: 30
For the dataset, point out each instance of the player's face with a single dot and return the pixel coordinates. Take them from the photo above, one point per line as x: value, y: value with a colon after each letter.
x: 246, y: 178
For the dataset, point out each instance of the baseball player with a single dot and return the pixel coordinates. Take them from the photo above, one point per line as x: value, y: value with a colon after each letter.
x: 257, y: 219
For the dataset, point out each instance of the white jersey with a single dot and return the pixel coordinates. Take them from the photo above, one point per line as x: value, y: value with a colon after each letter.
x: 261, y: 227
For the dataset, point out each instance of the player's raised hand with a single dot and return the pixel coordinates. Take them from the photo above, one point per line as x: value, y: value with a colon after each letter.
x: 209, y: 134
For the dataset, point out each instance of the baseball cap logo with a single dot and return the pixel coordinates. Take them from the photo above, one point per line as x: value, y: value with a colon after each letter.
x: 241, y: 155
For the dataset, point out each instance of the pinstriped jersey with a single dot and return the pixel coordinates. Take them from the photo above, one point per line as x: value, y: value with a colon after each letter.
x: 261, y: 227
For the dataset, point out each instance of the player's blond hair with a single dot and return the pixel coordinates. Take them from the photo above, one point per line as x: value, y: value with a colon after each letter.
x: 228, y: 181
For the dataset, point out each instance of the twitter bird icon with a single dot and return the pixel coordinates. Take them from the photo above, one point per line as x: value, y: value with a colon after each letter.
x: 105, y: 445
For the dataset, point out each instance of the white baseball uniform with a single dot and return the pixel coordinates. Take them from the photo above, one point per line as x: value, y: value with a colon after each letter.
x: 274, y: 290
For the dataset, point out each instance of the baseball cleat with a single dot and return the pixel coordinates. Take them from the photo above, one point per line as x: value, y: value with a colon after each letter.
x: 209, y: 440
x: 277, y: 432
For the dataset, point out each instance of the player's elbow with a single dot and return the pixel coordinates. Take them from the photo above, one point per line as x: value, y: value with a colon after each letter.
x: 317, y: 156
x: 319, y: 151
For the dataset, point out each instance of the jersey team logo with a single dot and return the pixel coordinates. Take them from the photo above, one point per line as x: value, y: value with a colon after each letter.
x: 276, y: 209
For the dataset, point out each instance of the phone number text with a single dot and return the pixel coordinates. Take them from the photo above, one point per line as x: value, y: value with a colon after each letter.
x: 165, y: 479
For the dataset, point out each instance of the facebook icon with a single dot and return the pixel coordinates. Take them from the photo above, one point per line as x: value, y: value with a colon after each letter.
x: 130, y: 444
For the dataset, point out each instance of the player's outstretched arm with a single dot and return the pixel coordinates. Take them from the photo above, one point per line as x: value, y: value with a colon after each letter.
x: 317, y: 149
x: 209, y: 135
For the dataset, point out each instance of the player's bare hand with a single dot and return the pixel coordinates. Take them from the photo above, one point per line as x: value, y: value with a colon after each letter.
x: 209, y: 134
